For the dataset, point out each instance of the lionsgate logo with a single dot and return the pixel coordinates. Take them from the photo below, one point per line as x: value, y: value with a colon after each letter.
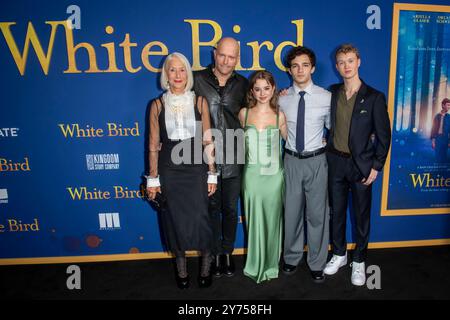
x: 109, y: 221
x: 3, y: 195
x: 9, y: 132
x: 107, y: 161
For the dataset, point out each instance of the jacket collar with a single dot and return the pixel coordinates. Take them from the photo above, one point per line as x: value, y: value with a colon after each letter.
x: 213, y: 76
x: 360, y: 95
x: 361, y: 92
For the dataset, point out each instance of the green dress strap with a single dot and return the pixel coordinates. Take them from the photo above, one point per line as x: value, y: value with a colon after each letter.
x: 246, y: 116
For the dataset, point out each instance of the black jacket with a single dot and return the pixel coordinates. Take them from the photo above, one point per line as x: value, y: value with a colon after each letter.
x: 224, y: 110
x: 369, y: 117
x: 437, y: 123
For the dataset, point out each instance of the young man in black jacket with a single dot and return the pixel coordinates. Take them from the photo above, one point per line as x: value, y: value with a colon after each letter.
x: 358, y: 113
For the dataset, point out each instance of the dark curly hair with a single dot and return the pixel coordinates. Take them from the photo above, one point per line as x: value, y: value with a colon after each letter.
x: 298, y: 51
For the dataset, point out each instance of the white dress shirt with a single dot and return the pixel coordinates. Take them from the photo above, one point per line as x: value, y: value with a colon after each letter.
x: 317, y: 115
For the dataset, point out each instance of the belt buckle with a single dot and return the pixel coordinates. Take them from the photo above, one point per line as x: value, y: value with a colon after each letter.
x: 304, y: 154
x: 310, y: 153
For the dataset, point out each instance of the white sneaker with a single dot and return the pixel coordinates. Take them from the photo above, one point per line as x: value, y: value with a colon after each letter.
x: 358, y: 273
x: 335, y: 263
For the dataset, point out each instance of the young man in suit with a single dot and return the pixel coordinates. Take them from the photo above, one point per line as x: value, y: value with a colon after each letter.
x: 358, y: 113
x: 440, y: 132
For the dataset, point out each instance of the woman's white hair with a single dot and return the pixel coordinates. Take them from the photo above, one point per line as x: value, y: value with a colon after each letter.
x: 190, y: 78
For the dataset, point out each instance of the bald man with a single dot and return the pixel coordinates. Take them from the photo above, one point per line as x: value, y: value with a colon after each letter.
x: 225, y: 91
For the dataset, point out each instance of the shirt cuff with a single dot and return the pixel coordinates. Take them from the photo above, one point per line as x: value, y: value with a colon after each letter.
x: 153, y: 182
x: 212, y: 178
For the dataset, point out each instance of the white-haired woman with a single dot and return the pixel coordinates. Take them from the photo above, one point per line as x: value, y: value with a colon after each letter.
x: 179, y: 127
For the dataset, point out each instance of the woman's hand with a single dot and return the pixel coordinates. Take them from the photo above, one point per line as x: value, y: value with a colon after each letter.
x: 212, y: 187
x: 151, y: 192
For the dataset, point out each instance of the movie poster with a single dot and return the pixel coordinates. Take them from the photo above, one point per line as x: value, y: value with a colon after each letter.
x: 417, y: 172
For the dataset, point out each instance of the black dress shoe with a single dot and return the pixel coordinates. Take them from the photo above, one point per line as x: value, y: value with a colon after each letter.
x: 216, y: 266
x: 204, y: 281
x: 318, y: 276
x: 289, y: 269
x: 182, y: 283
x: 228, y: 268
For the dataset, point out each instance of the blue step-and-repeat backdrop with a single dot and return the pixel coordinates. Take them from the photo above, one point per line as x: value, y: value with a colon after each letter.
x: 74, y: 100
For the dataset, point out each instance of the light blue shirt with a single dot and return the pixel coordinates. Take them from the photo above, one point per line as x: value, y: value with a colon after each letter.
x: 317, y: 115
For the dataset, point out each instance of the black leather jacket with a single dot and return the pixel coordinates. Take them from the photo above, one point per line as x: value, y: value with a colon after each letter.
x: 224, y: 110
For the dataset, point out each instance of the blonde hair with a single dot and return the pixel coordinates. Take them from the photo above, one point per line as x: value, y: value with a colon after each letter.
x: 347, y: 48
x: 164, y: 79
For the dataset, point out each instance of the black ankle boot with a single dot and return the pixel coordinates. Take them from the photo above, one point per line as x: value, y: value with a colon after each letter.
x: 228, y: 268
x: 216, y: 266
x: 205, y: 281
x: 182, y: 283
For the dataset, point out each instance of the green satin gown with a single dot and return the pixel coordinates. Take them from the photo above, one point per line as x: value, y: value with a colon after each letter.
x: 263, y: 191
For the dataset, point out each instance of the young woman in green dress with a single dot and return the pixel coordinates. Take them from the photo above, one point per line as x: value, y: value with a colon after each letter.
x: 263, y: 179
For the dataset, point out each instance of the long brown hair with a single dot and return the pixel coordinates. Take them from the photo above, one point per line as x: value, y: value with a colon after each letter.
x: 264, y: 75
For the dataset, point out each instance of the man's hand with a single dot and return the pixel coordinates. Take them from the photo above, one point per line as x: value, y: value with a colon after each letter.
x: 283, y: 92
x: 151, y: 192
x: 372, y: 176
x: 433, y: 144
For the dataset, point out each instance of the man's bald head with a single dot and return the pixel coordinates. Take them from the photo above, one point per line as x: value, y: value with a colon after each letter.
x: 228, y: 43
x: 226, y: 56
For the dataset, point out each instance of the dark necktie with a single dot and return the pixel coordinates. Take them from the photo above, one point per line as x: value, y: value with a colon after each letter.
x: 300, y: 136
